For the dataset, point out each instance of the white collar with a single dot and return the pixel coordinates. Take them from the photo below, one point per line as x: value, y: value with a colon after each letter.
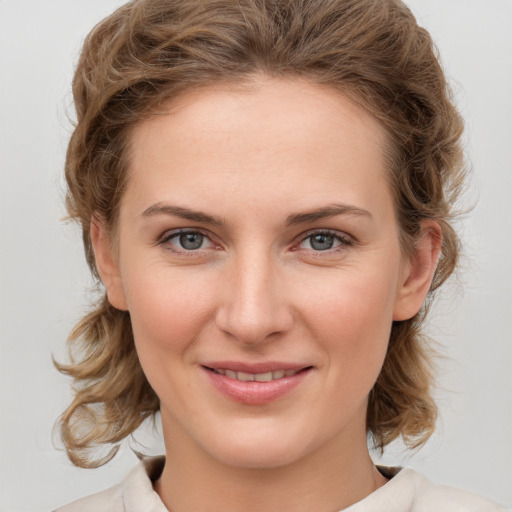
x: 395, y: 496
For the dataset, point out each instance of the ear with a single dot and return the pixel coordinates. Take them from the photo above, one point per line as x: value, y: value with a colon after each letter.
x: 106, y: 263
x: 418, y: 271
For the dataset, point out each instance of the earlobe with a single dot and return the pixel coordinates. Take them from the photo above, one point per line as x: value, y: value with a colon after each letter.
x: 418, y: 272
x: 106, y: 263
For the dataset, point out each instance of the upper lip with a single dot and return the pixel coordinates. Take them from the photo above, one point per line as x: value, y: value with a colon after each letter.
x: 261, y: 367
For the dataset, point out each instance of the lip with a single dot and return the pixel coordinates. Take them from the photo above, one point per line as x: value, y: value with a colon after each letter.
x: 262, y: 367
x: 255, y: 392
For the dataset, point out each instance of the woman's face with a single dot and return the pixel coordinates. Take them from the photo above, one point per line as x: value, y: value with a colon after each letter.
x: 259, y: 258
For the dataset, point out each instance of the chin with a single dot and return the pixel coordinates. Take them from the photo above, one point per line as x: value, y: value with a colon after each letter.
x: 259, y: 446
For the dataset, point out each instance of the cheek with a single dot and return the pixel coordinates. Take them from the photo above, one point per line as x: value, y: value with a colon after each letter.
x: 167, y: 309
x: 351, y: 318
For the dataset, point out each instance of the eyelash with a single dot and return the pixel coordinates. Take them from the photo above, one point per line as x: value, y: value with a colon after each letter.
x: 168, y: 236
x: 343, y: 239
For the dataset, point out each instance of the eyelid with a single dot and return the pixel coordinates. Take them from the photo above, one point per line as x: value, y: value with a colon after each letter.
x: 173, y: 233
x: 346, y: 240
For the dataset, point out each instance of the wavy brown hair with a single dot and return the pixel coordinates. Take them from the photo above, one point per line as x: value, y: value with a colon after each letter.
x: 148, y: 52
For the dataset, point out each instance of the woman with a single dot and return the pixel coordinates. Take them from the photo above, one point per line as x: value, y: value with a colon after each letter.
x: 265, y: 191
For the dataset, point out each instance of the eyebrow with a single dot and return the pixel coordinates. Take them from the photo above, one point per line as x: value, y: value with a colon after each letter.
x: 291, y: 220
x: 184, y: 213
x: 324, y: 213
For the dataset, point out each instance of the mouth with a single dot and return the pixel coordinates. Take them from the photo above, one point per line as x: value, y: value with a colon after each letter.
x: 256, y: 377
x: 256, y: 384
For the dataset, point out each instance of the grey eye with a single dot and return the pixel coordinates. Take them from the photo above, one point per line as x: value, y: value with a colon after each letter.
x: 191, y: 241
x: 321, y: 242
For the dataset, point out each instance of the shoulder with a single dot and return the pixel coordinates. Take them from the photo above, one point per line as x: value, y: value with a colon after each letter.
x: 429, y: 496
x: 133, y: 494
x: 109, y: 499
x: 409, y: 491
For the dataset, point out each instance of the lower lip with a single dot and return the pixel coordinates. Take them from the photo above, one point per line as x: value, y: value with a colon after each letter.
x: 256, y: 393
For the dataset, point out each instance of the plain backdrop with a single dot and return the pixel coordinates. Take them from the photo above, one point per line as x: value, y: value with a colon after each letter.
x: 44, y: 280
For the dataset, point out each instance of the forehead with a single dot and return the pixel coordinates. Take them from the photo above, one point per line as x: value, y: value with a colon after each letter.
x: 267, y: 106
x: 272, y: 135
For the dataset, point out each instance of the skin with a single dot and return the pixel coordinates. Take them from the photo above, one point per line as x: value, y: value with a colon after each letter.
x: 258, y: 290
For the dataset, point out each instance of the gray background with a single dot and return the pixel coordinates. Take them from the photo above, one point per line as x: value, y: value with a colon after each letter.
x: 43, y: 275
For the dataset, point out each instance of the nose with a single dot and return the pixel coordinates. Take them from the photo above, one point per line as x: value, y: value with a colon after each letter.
x: 253, y: 304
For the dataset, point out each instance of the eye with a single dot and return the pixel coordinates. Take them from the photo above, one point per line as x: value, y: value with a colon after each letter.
x: 186, y: 241
x: 324, y: 241
x: 190, y: 241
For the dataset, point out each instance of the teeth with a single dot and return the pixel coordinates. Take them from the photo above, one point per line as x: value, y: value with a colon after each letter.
x: 246, y: 377
x: 258, y: 377
x: 263, y: 377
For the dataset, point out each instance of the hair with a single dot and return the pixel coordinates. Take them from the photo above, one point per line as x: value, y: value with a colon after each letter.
x: 150, y: 51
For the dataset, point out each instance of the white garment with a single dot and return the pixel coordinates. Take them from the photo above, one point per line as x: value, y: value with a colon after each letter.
x: 407, y: 491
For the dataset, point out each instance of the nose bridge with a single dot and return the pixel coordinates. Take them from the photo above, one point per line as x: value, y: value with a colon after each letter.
x: 254, y: 304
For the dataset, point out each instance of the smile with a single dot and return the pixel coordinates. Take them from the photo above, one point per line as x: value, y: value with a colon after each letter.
x: 256, y: 377
x: 256, y: 384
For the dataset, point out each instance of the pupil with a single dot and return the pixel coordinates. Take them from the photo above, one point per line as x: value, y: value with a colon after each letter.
x: 322, y: 242
x: 191, y: 240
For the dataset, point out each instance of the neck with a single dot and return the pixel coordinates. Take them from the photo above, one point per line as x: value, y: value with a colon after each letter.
x: 330, y: 478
